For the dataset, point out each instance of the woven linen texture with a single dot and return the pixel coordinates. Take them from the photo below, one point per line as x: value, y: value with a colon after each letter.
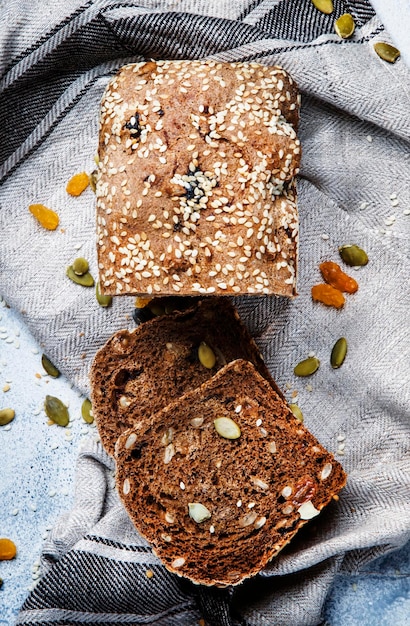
x: 355, y: 136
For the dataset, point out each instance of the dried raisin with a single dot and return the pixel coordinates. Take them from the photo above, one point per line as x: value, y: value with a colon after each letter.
x: 77, y: 184
x: 8, y: 549
x: 46, y: 217
x: 328, y: 295
x: 334, y: 275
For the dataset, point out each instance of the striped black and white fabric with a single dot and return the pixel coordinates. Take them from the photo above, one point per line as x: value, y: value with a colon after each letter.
x: 56, y: 59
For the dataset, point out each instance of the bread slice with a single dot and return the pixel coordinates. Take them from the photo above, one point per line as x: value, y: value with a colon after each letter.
x: 195, y: 191
x: 257, y: 489
x: 137, y: 373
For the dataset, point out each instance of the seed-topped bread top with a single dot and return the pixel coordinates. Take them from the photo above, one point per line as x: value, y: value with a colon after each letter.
x: 220, y: 480
x: 137, y: 373
x: 195, y: 192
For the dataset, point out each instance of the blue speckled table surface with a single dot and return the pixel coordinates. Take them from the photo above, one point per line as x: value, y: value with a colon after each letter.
x: 37, y: 484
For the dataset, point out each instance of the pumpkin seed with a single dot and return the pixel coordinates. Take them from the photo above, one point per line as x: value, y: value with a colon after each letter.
x: 80, y: 266
x: 206, y: 355
x: 156, y: 309
x: 93, y: 180
x: 102, y: 300
x: 307, y: 367
x: 324, y: 6
x: 86, y: 280
x: 338, y: 353
x: 49, y: 367
x: 6, y: 416
x: 56, y: 411
x: 344, y: 26
x: 87, y: 411
x: 386, y: 52
x: 296, y: 412
x: 227, y: 428
x: 198, y: 512
x: 353, y: 255
x: 1, y: 583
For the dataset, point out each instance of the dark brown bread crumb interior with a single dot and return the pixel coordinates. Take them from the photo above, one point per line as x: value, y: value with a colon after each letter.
x: 257, y: 488
x: 137, y: 373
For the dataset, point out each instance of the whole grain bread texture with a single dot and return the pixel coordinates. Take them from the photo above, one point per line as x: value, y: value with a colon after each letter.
x: 196, y: 180
x: 137, y: 373
x: 216, y: 510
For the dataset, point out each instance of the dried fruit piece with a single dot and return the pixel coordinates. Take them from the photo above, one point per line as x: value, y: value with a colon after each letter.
x: 324, y: 6
x: 86, y: 280
x: 77, y: 184
x: 46, y: 217
x: 227, y: 428
x: 206, y: 355
x: 8, y: 549
x: 49, y: 367
x: 56, y: 411
x: 198, y: 512
x: 6, y: 416
x: 386, y: 52
x: 307, y: 367
x: 102, y: 300
x: 334, y: 275
x: 141, y: 302
x: 339, y: 352
x: 87, y: 411
x: 328, y: 295
x: 344, y: 26
x: 353, y: 255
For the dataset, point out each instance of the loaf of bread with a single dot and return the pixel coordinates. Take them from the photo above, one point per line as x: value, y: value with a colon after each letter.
x: 137, y: 373
x: 195, y: 190
x: 220, y: 480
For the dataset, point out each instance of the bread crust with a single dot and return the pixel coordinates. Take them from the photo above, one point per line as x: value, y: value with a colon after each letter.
x: 196, y: 191
x: 259, y: 489
x: 137, y: 373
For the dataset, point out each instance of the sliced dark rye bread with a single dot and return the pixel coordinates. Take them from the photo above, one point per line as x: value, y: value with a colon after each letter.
x: 258, y: 489
x: 137, y: 373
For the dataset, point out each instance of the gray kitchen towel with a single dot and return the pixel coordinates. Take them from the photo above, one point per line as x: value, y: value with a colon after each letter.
x: 56, y: 59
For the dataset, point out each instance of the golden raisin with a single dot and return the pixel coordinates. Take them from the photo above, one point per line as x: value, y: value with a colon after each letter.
x: 46, y: 217
x: 78, y: 183
x: 326, y: 294
x: 8, y: 549
x: 334, y: 275
x: 141, y: 302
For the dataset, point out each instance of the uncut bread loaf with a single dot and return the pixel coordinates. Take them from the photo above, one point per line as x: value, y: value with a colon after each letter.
x: 137, y: 373
x: 220, y: 480
x: 195, y: 188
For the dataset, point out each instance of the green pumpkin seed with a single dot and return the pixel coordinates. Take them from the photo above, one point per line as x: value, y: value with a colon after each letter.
x: 307, y: 367
x: 1, y: 583
x: 56, y: 411
x: 156, y: 309
x: 198, y: 512
x: 338, y: 353
x: 80, y: 266
x: 296, y: 412
x: 386, y: 52
x: 227, y: 428
x: 324, y: 6
x: 86, y: 280
x: 6, y: 416
x: 206, y: 355
x: 102, y: 300
x: 87, y: 411
x: 93, y: 180
x: 344, y: 26
x: 353, y: 255
x: 49, y: 367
